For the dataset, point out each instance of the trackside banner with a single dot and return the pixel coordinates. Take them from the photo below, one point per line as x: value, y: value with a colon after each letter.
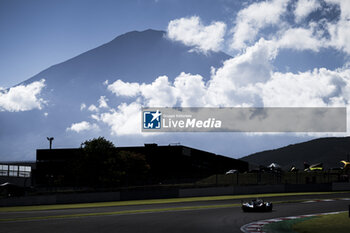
x: 325, y: 119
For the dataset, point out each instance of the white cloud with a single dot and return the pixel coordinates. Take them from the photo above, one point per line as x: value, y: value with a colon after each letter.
x: 230, y: 85
x: 121, y: 88
x: 304, y: 8
x: 82, y: 106
x: 96, y: 117
x: 93, y: 108
x: 103, y: 102
x: 317, y: 88
x: 300, y: 39
x: 340, y: 30
x: 126, y: 119
x: 22, y: 97
x: 190, y: 90
x: 255, y: 17
x: 186, y: 90
x: 233, y: 84
x: 192, y: 32
x: 159, y: 93
x: 251, y: 20
x: 344, y: 6
x: 249, y: 78
x: 269, y: 15
x: 250, y: 67
x: 82, y: 126
x: 340, y: 36
x: 245, y: 80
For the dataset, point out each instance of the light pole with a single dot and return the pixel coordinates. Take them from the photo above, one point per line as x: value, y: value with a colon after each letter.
x: 50, y: 140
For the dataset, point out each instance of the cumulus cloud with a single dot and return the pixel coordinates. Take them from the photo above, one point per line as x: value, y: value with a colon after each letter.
x: 254, y: 18
x: 124, y: 89
x: 82, y: 106
x: 126, y: 119
x: 340, y: 30
x: 250, y: 67
x: 300, y: 39
x: 103, y: 102
x: 248, y: 78
x: 268, y: 20
x: 190, y: 90
x: 224, y: 87
x: 304, y: 8
x: 271, y: 17
x: 82, y: 126
x: 324, y: 33
x: 317, y: 88
x: 340, y: 36
x: 192, y: 32
x: 233, y: 84
x: 93, y: 108
x: 245, y: 80
x: 96, y: 117
x: 160, y: 93
x: 22, y: 97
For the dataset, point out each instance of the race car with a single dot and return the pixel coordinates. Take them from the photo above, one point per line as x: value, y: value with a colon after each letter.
x: 256, y: 205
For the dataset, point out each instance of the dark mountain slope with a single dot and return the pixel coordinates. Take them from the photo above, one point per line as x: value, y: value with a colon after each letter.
x: 329, y: 151
x: 132, y: 57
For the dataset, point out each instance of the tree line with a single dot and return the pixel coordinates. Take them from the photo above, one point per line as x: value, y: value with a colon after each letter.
x: 102, y: 165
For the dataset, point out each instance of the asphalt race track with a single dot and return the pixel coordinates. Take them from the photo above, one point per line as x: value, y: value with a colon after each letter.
x: 203, y: 216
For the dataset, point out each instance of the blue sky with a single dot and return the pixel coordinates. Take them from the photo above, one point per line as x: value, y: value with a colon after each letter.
x: 36, y: 34
x: 285, y: 53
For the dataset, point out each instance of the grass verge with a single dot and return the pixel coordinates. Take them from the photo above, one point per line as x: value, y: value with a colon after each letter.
x: 339, y: 223
x: 285, y: 226
x: 153, y: 201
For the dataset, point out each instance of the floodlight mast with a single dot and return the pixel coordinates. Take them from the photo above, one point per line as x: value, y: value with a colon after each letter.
x: 50, y: 140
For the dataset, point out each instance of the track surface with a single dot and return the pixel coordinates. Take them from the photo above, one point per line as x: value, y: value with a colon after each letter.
x: 203, y: 216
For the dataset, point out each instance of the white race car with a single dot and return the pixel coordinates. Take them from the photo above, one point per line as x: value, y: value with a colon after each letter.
x: 256, y: 205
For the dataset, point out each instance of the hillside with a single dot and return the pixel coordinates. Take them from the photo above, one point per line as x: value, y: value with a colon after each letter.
x: 329, y: 151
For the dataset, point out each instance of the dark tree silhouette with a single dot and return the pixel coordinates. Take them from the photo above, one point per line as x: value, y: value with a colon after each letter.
x: 103, y: 165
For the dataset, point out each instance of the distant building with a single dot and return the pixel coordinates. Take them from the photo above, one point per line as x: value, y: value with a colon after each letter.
x: 168, y: 164
x: 17, y: 173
